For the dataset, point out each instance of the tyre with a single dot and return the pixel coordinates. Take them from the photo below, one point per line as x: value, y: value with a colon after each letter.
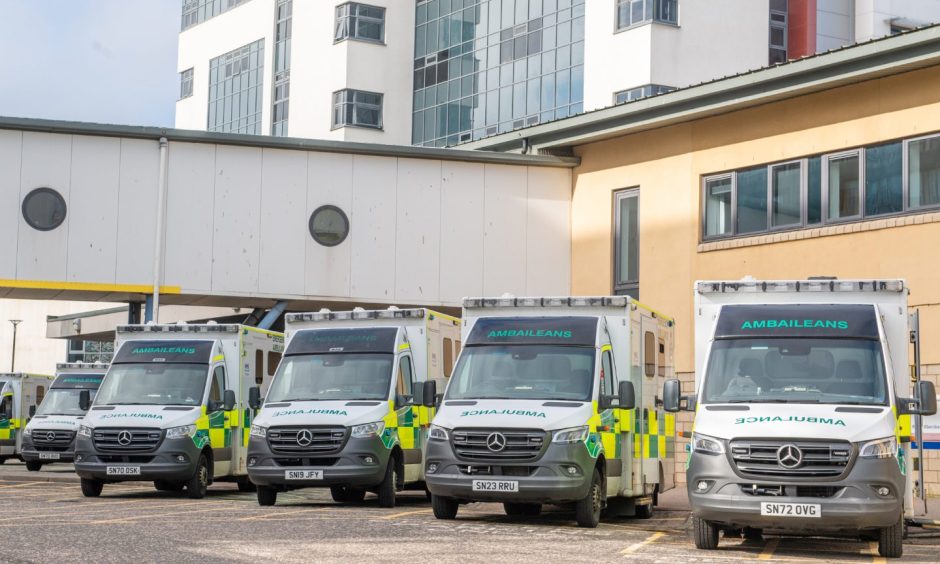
x: 33, y: 465
x: 245, y: 485
x: 644, y: 511
x: 164, y: 486
x: 522, y: 509
x: 91, y: 487
x: 587, y: 511
x: 267, y: 495
x: 706, y: 534
x: 197, y: 485
x: 387, y: 488
x: 343, y: 494
x: 891, y: 540
x: 444, y: 507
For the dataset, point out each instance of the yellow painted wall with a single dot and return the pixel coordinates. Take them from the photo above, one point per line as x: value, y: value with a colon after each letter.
x: 667, y: 165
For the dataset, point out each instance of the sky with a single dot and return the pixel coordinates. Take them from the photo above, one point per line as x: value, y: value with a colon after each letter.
x: 103, y: 61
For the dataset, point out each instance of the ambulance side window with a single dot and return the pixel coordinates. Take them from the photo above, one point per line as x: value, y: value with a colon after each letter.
x: 40, y: 393
x: 448, y: 357
x: 405, y: 376
x: 649, y: 353
x: 607, y: 374
x: 218, y: 384
x: 6, y: 407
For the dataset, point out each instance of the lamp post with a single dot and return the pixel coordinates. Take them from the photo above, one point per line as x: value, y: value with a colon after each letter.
x: 15, y: 322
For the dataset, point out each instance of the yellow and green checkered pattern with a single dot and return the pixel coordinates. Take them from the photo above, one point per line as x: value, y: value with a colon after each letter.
x: 217, y: 427
x: 8, y: 428
x: 655, y: 437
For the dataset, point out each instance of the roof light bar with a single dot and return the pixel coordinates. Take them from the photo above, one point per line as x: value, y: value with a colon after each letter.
x: 358, y: 314
x: 768, y: 286
x: 195, y: 328
x: 555, y: 301
x: 66, y: 365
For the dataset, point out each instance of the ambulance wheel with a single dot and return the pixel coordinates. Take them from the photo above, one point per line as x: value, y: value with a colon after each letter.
x: 344, y: 494
x: 522, y: 509
x: 587, y: 512
x: 197, y: 485
x: 33, y: 465
x: 706, y: 534
x: 245, y: 485
x: 444, y: 507
x: 644, y: 511
x: 164, y: 486
x: 267, y: 495
x: 891, y: 540
x: 91, y: 487
x: 386, y: 490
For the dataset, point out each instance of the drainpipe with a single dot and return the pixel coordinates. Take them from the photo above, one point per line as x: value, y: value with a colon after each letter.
x: 158, y: 240
x: 272, y: 315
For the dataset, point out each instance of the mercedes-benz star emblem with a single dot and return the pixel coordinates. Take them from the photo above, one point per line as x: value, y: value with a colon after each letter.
x: 304, y: 437
x: 496, y: 442
x: 789, y: 456
x: 50, y: 436
x: 124, y: 438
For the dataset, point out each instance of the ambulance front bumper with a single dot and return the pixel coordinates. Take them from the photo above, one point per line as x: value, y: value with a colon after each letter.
x: 360, y: 463
x: 173, y: 460
x: 562, y: 474
x: 849, y: 504
x: 31, y: 453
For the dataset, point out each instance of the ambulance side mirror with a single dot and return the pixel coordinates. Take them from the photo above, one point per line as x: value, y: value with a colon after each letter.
x: 229, y: 400
x: 84, y: 400
x: 671, y: 396
x: 927, y: 395
x: 32, y: 411
x: 626, y: 396
x: 429, y: 394
x: 254, y: 397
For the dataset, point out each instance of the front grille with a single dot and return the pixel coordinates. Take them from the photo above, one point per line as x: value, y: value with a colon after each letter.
x: 521, y: 445
x: 817, y: 491
x: 514, y: 471
x: 127, y: 440
x: 322, y: 440
x: 49, y: 440
x: 125, y: 459
x: 759, y: 490
x: 820, y: 459
x: 304, y: 462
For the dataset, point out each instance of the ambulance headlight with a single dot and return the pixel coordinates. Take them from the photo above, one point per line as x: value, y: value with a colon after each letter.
x: 259, y: 431
x: 181, y: 432
x: 368, y: 430
x: 706, y: 445
x: 84, y: 431
x: 880, y: 448
x: 437, y: 433
x: 27, y: 432
x: 572, y: 435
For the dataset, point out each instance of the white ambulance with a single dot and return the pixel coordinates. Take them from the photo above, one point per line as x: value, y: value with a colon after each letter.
x: 19, y: 394
x: 50, y: 434
x: 556, y: 400
x: 344, y: 410
x: 802, y: 409
x: 173, y: 407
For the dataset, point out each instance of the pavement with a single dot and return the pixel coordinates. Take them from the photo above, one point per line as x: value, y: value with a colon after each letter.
x: 48, y: 520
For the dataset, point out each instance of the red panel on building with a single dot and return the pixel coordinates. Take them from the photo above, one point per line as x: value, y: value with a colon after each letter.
x: 801, y: 28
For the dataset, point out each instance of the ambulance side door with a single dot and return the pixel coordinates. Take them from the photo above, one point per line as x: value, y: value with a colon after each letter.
x: 409, y: 428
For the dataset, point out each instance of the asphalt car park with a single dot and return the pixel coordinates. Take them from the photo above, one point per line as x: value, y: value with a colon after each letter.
x: 46, y: 519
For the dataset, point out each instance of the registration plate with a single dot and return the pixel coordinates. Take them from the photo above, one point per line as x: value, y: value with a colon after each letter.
x: 773, y: 509
x: 303, y: 474
x: 49, y: 456
x: 495, y: 486
x: 123, y: 470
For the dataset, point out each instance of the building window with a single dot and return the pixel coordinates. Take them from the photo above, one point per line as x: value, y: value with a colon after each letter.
x: 235, y: 95
x: 329, y: 225
x: 90, y: 351
x: 640, y: 92
x: 778, y: 31
x: 360, y: 21
x: 636, y: 12
x: 627, y: 243
x: 44, y: 209
x: 885, y: 179
x: 282, y: 34
x: 357, y: 108
x: 186, y: 83
x: 198, y: 11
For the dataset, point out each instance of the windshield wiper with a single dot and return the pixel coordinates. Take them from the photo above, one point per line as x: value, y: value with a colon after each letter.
x: 757, y: 400
x: 306, y: 399
x: 491, y: 397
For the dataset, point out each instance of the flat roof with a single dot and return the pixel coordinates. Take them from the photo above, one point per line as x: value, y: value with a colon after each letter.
x: 877, y: 58
x: 268, y: 141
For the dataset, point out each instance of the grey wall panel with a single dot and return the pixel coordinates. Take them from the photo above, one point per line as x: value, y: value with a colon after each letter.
x: 236, y: 243
x: 283, y: 222
x: 42, y: 255
x: 461, y: 231
x: 504, y: 230
x: 418, y: 237
x: 11, y: 148
x: 94, y: 184
x: 329, y: 181
x: 548, y: 228
x: 189, y: 216
x: 137, y: 211
x: 373, y: 227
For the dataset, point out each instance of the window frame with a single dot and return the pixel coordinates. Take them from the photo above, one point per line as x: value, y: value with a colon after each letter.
x: 804, y: 194
x: 186, y: 76
x: 353, y: 22
x: 906, y: 172
x: 346, y: 91
x: 649, y: 6
x: 619, y: 287
x: 733, y: 219
x: 858, y: 152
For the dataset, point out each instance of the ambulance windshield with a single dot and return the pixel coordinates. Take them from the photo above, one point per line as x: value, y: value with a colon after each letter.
x: 62, y: 401
x: 526, y: 372
x: 796, y: 370
x: 153, y: 384
x: 334, y: 376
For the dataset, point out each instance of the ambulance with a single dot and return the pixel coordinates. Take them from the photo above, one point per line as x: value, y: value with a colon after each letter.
x: 50, y: 435
x: 172, y: 408
x: 802, y: 410
x: 19, y: 394
x: 555, y: 401
x: 345, y: 408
